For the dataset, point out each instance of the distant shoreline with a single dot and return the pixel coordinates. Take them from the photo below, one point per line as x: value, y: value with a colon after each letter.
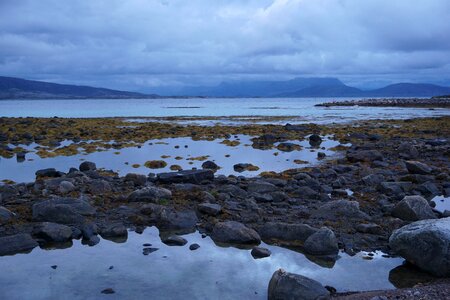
x: 435, y: 102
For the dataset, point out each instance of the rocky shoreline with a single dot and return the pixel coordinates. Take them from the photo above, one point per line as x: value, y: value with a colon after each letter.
x: 392, y: 168
x: 435, y: 102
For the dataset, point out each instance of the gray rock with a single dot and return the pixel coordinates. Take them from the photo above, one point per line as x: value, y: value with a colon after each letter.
x: 340, y: 209
x: 99, y: 186
x: 395, y: 188
x: 16, y: 243
x: 413, y: 208
x: 87, y: 166
x: 315, y: 140
x: 174, y: 240
x: 369, y: 228
x: 65, y: 187
x: 52, y: 232
x: 364, y: 156
x: 193, y: 247
x: 62, y: 210
x: 169, y: 219
x: 5, y: 215
x: 425, y: 244
x: 260, y: 252
x: 305, y: 192
x: 150, y: 194
x: 50, y: 172
x: 210, y: 209
x: 261, y: 187
x: 186, y: 176
x: 210, y: 165
x: 114, y: 231
x: 137, y: 179
x: 322, y: 242
x: 288, y: 286
x: 407, y: 151
x: 416, y: 167
x: 234, y: 233
x: 292, y: 233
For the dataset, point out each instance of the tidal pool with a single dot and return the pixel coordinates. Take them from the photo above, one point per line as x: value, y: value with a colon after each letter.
x: 184, y: 152
x: 442, y: 203
x: 174, y: 272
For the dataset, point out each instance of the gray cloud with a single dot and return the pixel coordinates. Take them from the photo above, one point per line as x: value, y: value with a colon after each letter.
x: 140, y: 44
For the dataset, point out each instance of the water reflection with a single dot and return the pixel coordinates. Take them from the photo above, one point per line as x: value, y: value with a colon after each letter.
x: 209, y: 272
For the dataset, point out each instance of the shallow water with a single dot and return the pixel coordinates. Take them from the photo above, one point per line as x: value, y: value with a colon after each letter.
x: 211, y: 272
x: 302, y: 108
x: 442, y: 203
x: 115, y: 159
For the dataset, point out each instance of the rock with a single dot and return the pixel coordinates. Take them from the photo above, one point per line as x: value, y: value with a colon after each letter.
x: 50, y: 172
x: 296, y: 127
x: 261, y: 187
x: 315, y: 140
x: 340, y: 209
x: 16, y: 243
x: 293, y: 233
x: 305, y: 192
x: 425, y: 244
x: 137, y: 179
x: 66, y: 187
x: 288, y: 147
x: 108, y: 291
x: 369, y: 228
x: 395, y: 188
x: 62, y: 210
x: 186, y: 176
x: 241, y: 167
x: 321, y: 155
x: 52, y: 232
x: 413, y: 208
x: 99, y: 186
x: 234, y: 233
x: 260, y: 252
x: 364, y: 156
x: 416, y: 167
x: 407, y: 151
x: 210, y: 209
x: 174, y: 240
x: 288, y: 286
x: 210, y: 165
x: 194, y: 247
x: 150, y: 194
x: 5, y: 215
x: 87, y: 166
x: 114, y: 231
x: 322, y: 242
x: 169, y: 219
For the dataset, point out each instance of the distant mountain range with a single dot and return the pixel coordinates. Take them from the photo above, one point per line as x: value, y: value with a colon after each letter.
x: 16, y: 88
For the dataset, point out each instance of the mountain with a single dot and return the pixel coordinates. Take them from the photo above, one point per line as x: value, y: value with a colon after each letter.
x: 16, y: 88
x: 410, y: 89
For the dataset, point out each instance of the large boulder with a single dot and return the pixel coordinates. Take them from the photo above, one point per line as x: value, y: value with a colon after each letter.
x: 234, y: 233
x: 62, y: 210
x: 289, y: 286
x: 16, y: 243
x: 52, y: 232
x: 425, y: 244
x: 340, y: 209
x: 150, y: 194
x: 413, y: 208
x: 322, y: 242
x: 284, y: 232
x: 416, y: 167
x: 186, y: 176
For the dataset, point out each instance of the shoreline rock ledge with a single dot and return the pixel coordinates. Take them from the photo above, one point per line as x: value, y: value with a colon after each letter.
x: 425, y: 244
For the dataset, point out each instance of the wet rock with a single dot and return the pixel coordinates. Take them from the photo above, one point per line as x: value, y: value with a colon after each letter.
x: 193, y: 247
x: 108, y: 291
x: 210, y: 165
x: 416, y: 167
x: 89, y: 230
x: 364, y: 156
x: 210, y: 209
x: 150, y: 194
x: 425, y: 244
x: 5, y: 215
x: 174, y: 240
x: 292, y: 233
x: 114, y: 231
x: 137, y: 179
x: 322, y: 242
x: 62, y: 210
x: 321, y: 155
x: 186, y: 176
x: 50, y: 172
x: 16, y: 243
x: 315, y: 140
x: 340, y: 209
x: 87, y: 166
x: 260, y: 252
x: 148, y: 250
x: 66, y: 187
x: 284, y: 285
x: 261, y: 187
x: 413, y: 208
x: 234, y: 233
x: 288, y: 147
x: 52, y: 232
x: 241, y: 167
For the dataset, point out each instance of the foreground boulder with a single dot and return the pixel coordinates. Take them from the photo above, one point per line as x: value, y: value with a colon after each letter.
x: 286, y: 286
x: 323, y: 242
x: 425, y: 244
x: 187, y: 176
x: 16, y: 243
x: 413, y: 208
x: 150, y: 194
x: 284, y: 232
x: 62, y: 210
x: 52, y: 232
x: 234, y: 233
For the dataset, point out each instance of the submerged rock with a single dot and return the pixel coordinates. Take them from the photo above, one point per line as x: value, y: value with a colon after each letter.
x: 287, y: 286
x: 425, y: 244
x: 413, y: 208
x: 234, y: 233
x: 16, y: 243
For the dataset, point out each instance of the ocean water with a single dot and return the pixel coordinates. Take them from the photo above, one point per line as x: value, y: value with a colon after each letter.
x: 302, y: 109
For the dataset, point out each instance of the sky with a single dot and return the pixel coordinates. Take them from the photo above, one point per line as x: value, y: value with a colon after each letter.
x: 143, y: 45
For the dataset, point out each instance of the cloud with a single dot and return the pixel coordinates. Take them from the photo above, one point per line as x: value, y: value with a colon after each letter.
x: 140, y: 44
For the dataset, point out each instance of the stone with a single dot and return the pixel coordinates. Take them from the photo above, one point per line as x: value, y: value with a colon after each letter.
x: 174, y: 240
x: 210, y: 209
x: 321, y: 155
x: 426, y: 244
x: 369, y: 228
x: 395, y: 187
x: 292, y: 233
x: 62, y: 210
x: 260, y: 252
x: 340, y: 209
x: 52, y: 232
x: 50, y: 172
x: 87, y: 166
x: 261, y: 187
x: 13, y: 244
x: 417, y: 167
x: 137, y: 179
x: 234, y: 233
x: 150, y: 194
x: 99, y: 186
x: 241, y: 167
x: 289, y: 286
x: 114, y: 231
x: 364, y: 156
x: 413, y: 208
x: 210, y: 165
x: 66, y: 187
x: 288, y: 147
x: 193, y: 247
x: 322, y: 242
x: 186, y: 176
x: 5, y: 215
x: 170, y: 219
x: 407, y: 151
x: 315, y: 140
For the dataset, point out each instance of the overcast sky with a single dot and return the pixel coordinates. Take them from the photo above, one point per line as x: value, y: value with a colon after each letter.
x: 140, y: 44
